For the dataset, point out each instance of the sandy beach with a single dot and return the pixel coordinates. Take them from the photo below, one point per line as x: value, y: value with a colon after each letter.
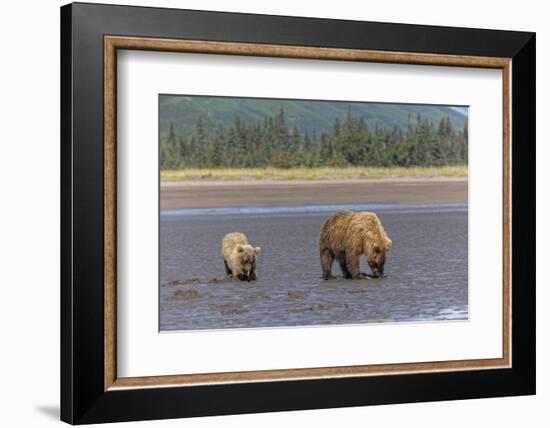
x: 274, y: 193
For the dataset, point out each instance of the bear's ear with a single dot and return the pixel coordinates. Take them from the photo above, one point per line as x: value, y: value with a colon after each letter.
x: 240, y: 248
x: 388, y: 243
x: 257, y: 250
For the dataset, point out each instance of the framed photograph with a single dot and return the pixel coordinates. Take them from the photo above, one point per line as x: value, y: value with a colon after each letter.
x: 265, y: 213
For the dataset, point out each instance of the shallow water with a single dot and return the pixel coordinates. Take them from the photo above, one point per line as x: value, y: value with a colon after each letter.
x: 426, y: 273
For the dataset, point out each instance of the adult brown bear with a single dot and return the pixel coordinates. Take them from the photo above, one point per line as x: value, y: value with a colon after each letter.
x: 345, y: 236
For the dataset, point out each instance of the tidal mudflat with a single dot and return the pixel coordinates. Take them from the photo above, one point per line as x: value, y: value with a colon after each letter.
x: 426, y: 273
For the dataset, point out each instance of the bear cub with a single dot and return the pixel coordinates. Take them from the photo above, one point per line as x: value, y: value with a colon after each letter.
x: 345, y: 236
x: 239, y: 256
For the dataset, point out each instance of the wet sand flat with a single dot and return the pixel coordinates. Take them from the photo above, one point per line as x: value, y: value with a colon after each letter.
x: 265, y: 193
x: 427, y: 272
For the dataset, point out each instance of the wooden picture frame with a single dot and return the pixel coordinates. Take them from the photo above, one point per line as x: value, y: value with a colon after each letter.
x: 91, y: 390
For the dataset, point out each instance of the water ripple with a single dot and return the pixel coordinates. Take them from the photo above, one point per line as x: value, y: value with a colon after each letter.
x: 395, y: 208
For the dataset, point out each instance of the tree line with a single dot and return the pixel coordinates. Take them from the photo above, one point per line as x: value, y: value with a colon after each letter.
x: 351, y: 142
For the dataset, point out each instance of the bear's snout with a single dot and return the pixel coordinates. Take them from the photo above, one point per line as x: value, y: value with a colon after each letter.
x: 377, y: 271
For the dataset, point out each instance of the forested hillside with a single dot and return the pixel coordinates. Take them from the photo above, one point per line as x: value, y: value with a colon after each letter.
x: 351, y: 140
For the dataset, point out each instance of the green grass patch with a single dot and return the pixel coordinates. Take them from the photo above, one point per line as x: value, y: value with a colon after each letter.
x: 319, y: 173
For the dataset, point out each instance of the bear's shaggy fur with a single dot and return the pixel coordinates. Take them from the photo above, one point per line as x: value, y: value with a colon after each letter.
x: 345, y: 236
x: 239, y: 256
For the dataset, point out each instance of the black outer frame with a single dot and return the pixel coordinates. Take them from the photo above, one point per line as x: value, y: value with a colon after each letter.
x: 83, y: 399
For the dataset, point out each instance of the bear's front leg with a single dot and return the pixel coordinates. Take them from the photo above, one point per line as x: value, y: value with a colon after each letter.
x: 352, y: 265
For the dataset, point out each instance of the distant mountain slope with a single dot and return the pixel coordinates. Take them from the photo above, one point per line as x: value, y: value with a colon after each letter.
x: 310, y: 115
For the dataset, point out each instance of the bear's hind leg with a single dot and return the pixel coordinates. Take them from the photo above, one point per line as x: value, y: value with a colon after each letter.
x: 227, y: 270
x: 326, y: 263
